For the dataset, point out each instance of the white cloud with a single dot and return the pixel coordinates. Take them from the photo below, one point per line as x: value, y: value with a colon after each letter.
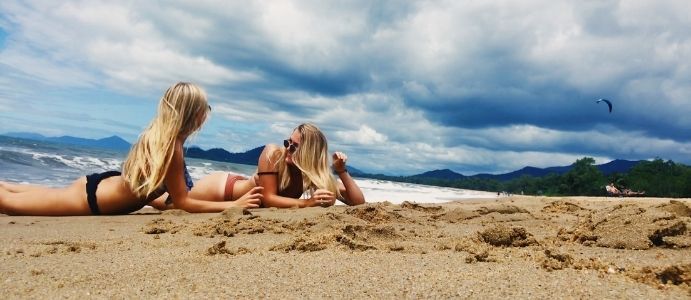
x: 312, y: 36
x: 111, y: 44
x: 364, y: 136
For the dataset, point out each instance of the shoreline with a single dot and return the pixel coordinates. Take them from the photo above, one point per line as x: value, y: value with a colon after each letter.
x: 529, y: 247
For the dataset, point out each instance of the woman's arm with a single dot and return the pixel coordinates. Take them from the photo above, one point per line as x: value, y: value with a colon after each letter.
x: 267, y: 177
x: 352, y: 195
x: 175, y: 184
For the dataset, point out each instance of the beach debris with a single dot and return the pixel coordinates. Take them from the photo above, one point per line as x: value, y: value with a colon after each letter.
x: 609, y: 103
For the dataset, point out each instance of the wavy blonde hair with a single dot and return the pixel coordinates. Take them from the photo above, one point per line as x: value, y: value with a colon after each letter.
x: 179, y: 115
x: 312, y: 158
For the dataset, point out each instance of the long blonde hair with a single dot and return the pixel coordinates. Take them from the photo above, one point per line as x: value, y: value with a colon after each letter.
x: 312, y: 158
x: 179, y: 115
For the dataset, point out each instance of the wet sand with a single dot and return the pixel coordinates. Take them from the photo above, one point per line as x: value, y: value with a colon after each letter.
x: 527, y: 247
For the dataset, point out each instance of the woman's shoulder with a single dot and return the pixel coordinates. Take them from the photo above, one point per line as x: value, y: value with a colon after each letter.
x: 271, y: 152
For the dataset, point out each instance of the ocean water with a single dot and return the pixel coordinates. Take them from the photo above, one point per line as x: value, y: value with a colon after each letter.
x: 53, y: 164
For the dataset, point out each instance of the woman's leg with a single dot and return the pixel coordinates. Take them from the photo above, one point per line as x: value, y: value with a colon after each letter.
x: 18, y: 188
x: 67, y: 201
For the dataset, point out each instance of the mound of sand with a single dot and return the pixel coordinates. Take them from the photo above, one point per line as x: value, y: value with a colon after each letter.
x: 561, y: 206
x: 677, y: 275
x: 629, y: 226
x: 418, y: 207
x: 676, y: 208
x: 161, y: 225
x: 504, y: 236
x: 375, y: 213
x: 502, y: 209
x: 456, y: 215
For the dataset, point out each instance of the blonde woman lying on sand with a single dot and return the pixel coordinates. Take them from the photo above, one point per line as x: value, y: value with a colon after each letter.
x: 285, y: 173
x: 155, y: 165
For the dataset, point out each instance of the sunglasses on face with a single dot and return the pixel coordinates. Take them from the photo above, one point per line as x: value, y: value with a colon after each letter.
x: 290, y: 145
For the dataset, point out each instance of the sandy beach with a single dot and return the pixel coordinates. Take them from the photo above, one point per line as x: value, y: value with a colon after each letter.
x: 525, y: 247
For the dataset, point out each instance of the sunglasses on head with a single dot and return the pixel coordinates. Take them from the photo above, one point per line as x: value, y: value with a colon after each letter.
x: 290, y: 145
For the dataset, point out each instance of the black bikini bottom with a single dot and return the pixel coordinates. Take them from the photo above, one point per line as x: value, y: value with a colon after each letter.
x: 92, y: 182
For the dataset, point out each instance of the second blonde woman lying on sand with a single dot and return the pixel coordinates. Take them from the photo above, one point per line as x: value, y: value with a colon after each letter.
x: 285, y: 174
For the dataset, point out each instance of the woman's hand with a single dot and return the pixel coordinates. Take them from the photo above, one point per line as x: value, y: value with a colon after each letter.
x: 339, y: 162
x: 323, y: 198
x: 251, y: 199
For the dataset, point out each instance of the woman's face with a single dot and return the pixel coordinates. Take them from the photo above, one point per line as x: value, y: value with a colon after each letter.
x: 293, y: 143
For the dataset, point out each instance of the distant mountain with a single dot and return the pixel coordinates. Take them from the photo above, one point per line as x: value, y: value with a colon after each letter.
x: 529, y: 171
x: 440, y: 174
x: 252, y: 156
x: 354, y: 171
x: 112, y: 142
x: 615, y: 166
x: 248, y: 158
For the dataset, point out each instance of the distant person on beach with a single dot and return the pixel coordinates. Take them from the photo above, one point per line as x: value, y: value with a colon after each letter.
x: 629, y: 192
x: 155, y: 165
x: 612, y: 190
x: 285, y: 173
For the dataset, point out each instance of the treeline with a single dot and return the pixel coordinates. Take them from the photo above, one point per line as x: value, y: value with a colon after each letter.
x: 658, y: 178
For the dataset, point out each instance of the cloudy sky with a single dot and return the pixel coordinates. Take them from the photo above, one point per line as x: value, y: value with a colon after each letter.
x: 401, y: 86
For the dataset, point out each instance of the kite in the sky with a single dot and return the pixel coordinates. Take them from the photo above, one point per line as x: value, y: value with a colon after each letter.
x: 609, y: 104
